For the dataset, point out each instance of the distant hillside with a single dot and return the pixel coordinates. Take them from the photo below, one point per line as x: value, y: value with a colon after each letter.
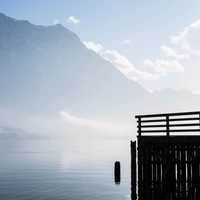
x: 48, y: 69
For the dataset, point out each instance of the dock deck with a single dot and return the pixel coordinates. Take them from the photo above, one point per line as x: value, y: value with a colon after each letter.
x: 167, y: 157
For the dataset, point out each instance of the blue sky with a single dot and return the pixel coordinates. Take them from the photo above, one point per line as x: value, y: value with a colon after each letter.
x: 135, y: 29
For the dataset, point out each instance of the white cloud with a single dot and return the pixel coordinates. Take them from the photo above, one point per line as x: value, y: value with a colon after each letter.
x: 126, y: 42
x: 93, y: 124
x: 118, y: 60
x: 196, y: 24
x: 73, y: 20
x: 182, y: 52
x: 178, y: 61
x: 121, y: 62
x: 126, y: 67
x: 56, y: 21
x: 188, y: 39
x: 183, y: 46
x: 167, y: 63
x: 180, y: 38
x: 180, y: 56
x: 171, y: 53
x: 79, y: 121
x: 96, y: 47
x: 162, y: 67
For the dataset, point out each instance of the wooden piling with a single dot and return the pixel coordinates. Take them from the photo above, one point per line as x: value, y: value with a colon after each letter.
x: 117, y: 172
x: 133, y: 171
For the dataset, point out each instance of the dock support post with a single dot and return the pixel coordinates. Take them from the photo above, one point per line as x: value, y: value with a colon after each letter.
x: 133, y: 171
x: 117, y: 172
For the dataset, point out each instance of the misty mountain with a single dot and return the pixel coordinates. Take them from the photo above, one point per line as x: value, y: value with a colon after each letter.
x: 47, y: 68
x: 17, y: 134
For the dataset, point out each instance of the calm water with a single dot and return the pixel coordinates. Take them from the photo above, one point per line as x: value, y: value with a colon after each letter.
x: 49, y: 170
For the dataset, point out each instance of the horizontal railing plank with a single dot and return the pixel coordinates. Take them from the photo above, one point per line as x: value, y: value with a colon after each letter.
x: 192, y: 124
x: 175, y: 119
x: 174, y: 130
x: 170, y: 125
x: 168, y: 114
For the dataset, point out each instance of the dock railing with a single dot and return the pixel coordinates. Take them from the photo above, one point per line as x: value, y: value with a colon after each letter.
x: 165, y: 161
x: 166, y: 123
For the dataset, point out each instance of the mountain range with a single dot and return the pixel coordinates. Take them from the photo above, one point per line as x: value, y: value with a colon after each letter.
x: 47, y: 69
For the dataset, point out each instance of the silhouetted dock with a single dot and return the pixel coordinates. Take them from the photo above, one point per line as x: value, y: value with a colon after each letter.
x: 165, y: 163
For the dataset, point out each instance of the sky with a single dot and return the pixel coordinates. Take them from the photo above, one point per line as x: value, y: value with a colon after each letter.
x: 152, y: 42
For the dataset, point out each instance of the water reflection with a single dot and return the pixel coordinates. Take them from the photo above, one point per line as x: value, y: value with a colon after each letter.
x: 53, y: 170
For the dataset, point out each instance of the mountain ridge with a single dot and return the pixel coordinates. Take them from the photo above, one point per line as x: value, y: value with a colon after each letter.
x: 45, y: 70
x: 42, y: 59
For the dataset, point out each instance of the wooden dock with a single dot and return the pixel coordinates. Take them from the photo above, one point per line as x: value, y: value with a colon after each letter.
x: 165, y: 164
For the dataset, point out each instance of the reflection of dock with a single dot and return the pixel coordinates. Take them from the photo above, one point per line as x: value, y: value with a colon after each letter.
x: 168, y: 157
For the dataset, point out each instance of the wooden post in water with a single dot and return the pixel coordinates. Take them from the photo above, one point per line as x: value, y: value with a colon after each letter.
x: 117, y: 172
x: 133, y: 171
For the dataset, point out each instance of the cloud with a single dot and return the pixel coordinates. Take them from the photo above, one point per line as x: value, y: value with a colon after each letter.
x: 168, y: 62
x: 118, y: 60
x: 171, y: 53
x: 96, y: 47
x: 180, y: 52
x: 93, y: 124
x: 126, y: 42
x: 73, y: 20
x: 177, y: 62
x: 183, y: 46
x: 183, y: 50
x: 188, y: 39
x: 80, y: 121
x: 121, y: 62
x: 56, y: 21
x: 125, y: 66
x: 195, y: 24
x: 162, y: 67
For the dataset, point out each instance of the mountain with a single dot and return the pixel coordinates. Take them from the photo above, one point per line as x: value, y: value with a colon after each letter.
x: 48, y: 69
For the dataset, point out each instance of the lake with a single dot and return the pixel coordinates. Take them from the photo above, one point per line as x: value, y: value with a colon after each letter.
x: 55, y: 170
